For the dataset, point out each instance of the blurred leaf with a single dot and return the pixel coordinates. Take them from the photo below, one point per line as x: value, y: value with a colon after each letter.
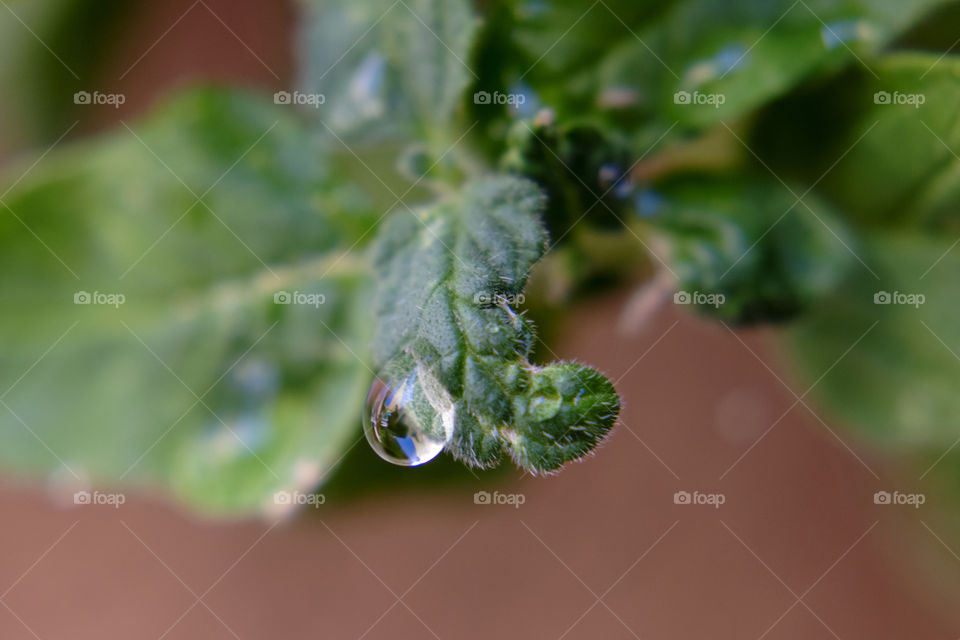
x: 748, y: 250
x: 587, y: 30
x: 447, y: 276
x: 753, y: 50
x: 889, y: 358
x: 388, y: 68
x: 199, y: 379
x: 724, y: 58
x: 919, y: 183
x: 937, y: 31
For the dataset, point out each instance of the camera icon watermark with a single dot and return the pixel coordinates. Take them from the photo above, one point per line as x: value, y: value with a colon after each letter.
x: 298, y: 498
x: 512, y: 499
x: 698, y: 98
x: 114, y: 500
x: 486, y: 299
x: 96, y: 98
x: 696, y: 497
x: 99, y: 298
x: 895, y: 497
x: 896, y: 297
x: 299, y: 297
x: 912, y: 99
x: 515, y: 100
x: 298, y: 98
x: 697, y: 297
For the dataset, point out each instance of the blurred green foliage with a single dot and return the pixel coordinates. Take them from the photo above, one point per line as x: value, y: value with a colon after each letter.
x: 796, y: 159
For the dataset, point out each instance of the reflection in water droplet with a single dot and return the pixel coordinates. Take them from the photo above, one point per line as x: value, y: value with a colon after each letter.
x: 408, y: 422
x: 841, y: 32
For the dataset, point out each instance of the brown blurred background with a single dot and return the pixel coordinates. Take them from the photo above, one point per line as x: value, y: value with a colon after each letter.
x: 798, y: 549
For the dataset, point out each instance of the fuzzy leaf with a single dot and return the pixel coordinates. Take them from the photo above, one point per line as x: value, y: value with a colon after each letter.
x: 446, y: 276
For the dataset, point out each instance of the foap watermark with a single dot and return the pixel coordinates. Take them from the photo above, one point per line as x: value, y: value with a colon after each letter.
x: 713, y: 99
x: 896, y: 497
x: 98, y: 498
x: 99, y: 298
x: 496, y: 299
x: 696, y: 497
x: 299, y: 297
x: 512, y: 499
x: 498, y: 97
x: 298, y: 498
x: 96, y: 98
x: 298, y: 98
x: 898, y: 297
x: 912, y: 99
x: 698, y: 297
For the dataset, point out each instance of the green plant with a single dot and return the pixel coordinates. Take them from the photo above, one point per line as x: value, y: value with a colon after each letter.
x: 256, y: 263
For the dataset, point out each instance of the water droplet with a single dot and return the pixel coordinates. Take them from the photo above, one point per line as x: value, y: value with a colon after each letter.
x: 410, y: 421
x: 533, y: 9
x: 841, y: 32
x: 648, y: 203
x: 724, y: 61
x: 527, y: 102
x: 365, y: 95
x: 729, y: 58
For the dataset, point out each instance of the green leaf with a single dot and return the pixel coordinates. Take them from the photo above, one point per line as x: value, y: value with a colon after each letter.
x: 388, y: 68
x: 749, y: 250
x: 446, y: 277
x: 889, y: 358
x: 700, y: 62
x: 200, y: 379
x: 919, y: 184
